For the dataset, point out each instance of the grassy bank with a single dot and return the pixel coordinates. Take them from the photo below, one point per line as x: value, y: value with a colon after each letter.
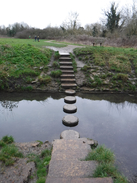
x: 105, y: 168
x: 109, y: 68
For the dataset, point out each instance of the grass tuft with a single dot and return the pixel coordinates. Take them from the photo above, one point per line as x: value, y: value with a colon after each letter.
x: 105, y: 167
x: 56, y: 74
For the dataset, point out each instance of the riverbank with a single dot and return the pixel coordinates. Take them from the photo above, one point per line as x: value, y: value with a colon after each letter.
x: 31, y: 162
x: 97, y: 69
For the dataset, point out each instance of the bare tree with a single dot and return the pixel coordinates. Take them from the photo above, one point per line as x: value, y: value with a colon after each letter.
x: 130, y: 15
x: 72, y: 21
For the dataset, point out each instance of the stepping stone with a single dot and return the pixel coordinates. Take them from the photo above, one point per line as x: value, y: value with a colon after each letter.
x: 70, y: 99
x: 70, y: 92
x: 69, y: 108
x: 69, y: 134
x: 70, y: 120
x: 79, y: 180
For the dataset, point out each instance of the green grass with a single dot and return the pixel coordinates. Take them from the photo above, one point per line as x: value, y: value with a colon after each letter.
x: 8, y: 151
x: 20, y: 62
x: 116, y: 59
x: 42, y: 43
x: 56, y: 74
x: 41, y: 162
x: 105, y: 168
x: 44, y: 79
x: 55, y: 64
x: 74, y: 63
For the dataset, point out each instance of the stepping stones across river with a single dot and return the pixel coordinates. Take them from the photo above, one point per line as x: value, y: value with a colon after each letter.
x: 70, y: 120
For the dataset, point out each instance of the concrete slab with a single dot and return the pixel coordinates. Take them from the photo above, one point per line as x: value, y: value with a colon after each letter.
x: 73, y: 149
x: 71, y: 168
x: 68, y: 80
x: 67, y: 76
x: 69, y: 85
x: 79, y: 180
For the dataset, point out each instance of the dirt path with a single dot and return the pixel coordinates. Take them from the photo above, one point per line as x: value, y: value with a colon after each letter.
x: 66, y: 49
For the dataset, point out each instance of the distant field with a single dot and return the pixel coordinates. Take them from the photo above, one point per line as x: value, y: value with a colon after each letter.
x: 42, y: 43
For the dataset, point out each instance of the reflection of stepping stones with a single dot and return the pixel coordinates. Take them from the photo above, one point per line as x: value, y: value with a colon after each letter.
x: 69, y: 108
x: 70, y: 92
x: 69, y: 134
x: 70, y: 99
x: 70, y: 120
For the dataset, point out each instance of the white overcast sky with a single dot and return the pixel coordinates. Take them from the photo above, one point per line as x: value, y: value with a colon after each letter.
x: 41, y: 13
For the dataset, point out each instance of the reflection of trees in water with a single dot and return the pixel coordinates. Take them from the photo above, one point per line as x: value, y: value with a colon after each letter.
x: 123, y: 105
x: 9, y: 104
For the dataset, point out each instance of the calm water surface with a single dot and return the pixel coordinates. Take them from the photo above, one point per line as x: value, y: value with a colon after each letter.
x: 109, y: 119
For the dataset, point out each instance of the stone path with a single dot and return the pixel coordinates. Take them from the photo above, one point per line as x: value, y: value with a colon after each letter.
x: 67, y: 165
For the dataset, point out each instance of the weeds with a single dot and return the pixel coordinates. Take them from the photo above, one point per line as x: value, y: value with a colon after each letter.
x: 42, y: 162
x: 44, y: 79
x: 8, y: 151
x: 55, y: 64
x: 56, y: 74
x: 105, y: 168
x: 74, y: 64
x: 118, y: 59
x: 56, y: 55
x: 120, y: 76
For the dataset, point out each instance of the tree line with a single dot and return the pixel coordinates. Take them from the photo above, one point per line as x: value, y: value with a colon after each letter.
x: 116, y: 23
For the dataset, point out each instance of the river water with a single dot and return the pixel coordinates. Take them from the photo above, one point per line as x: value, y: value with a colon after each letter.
x: 108, y: 118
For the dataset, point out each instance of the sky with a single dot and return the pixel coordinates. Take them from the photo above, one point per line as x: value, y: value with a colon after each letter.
x: 43, y: 13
